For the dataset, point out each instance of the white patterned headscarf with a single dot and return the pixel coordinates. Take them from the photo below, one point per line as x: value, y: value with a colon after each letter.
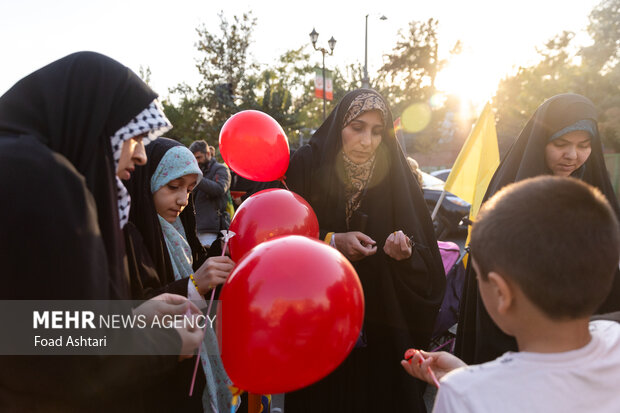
x: 151, y: 120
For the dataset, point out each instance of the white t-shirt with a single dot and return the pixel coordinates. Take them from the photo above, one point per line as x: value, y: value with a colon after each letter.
x: 583, y: 380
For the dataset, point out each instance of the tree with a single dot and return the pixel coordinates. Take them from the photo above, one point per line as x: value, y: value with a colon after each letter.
x: 409, y: 74
x: 518, y: 96
x: 592, y: 71
x: 604, y: 28
x: 226, y: 70
x: 145, y: 74
x: 187, y: 116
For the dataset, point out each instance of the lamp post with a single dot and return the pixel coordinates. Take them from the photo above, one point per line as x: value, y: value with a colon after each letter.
x: 314, y: 36
x: 366, y: 80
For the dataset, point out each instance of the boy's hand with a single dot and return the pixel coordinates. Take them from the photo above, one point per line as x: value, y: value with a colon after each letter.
x: 417, y: 363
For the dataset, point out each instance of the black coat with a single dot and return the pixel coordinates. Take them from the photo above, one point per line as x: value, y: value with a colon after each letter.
x: 402, y: 298
x: 211, y: 198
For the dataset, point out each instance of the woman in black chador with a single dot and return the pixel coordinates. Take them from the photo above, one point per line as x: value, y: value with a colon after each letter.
x: 561, y: 139
x: 370, y: 207
x: 68, y: 133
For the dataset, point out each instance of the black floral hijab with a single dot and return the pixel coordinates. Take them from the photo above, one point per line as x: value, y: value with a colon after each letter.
x: 74, y: 106
x: 358, y: 175
x: 391, y: 173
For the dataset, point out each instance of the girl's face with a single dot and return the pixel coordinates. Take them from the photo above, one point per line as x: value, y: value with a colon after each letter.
x: 567, y: 153
x: 132, y: 154
x: 362, y: 136
x: 171, y: 199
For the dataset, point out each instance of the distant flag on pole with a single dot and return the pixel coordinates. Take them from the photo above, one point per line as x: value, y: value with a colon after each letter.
x: 318, y: 84
x: 398, y: 126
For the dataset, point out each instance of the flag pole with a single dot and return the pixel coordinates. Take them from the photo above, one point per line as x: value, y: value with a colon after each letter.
x: 438, y: 204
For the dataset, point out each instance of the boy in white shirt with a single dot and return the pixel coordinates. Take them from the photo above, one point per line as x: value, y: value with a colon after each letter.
x: 545, y: 251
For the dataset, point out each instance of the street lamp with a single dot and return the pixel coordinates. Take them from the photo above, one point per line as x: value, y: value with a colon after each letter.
x: 314, y: 36
x: 366, y: 80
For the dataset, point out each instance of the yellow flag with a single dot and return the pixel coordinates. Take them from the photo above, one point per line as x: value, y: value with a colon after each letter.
x: 474, y: 167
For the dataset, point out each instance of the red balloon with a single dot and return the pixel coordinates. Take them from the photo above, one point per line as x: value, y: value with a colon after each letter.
x: 268, y: 214
x: 289, y: 314
x: 254, y: 145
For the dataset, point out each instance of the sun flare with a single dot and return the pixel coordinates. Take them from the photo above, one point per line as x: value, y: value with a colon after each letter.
x: 469, y: 78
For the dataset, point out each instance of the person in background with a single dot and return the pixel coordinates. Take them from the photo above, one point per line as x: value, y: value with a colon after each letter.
x: 211, y: 196
x: 566, y: 362
x: 560, y: 139
x: 415, y: 169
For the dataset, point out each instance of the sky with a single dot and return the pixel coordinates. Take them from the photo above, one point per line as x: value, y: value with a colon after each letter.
x: 498, y: 36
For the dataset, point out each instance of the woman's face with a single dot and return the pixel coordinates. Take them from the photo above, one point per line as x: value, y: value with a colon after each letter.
x: 567, y: 153
x: 362, y: 136
x: 171, y: 199
x: 132, y: 154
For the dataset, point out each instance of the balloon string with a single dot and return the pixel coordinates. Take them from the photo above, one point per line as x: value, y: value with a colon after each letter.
x: 191, y: 388
x: 284, y: 183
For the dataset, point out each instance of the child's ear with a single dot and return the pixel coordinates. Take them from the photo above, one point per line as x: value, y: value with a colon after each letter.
x: 502, y: 290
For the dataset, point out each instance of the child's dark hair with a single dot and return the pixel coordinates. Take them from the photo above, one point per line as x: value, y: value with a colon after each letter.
x: 556, y: 238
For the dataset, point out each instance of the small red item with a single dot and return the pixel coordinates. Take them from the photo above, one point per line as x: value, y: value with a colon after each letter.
x: 237, y: 194
x: 410, y: 353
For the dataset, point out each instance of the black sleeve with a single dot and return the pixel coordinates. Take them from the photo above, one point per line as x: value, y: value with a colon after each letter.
x: 51, y: 249
x: 217, y: 186
x: 51, y: 246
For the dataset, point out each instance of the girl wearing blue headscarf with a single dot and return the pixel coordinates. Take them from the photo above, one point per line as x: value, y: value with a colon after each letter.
x: 165, y: 255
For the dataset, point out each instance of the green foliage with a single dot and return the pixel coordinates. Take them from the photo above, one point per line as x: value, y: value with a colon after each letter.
x: 230, y: 83
x: 187, y: 116
x: 145, y: 74
x: 591, y: 71
x: 409, y: 74
x: 227, y: 85
x: 604, y: 27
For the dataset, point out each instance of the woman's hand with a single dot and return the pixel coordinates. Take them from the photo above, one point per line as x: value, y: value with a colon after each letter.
x: 173, y: 305
x: 355, y: 245
x: 420, y: 363
x: 213, y: 272
x: 397, y: 246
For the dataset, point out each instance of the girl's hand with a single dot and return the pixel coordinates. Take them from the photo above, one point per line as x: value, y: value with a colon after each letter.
x: 213, y: 272
x: 355, y: 245
x: 418, y: 363
x: 398, y: 246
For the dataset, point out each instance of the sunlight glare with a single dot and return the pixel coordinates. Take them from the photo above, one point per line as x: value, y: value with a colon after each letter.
x: 416, y: 117
x: 471, y: 79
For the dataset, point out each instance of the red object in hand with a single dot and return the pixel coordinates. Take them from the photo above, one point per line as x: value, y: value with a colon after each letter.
x: 289, y: 314
x: 254, y: 145
x: 268, y: 214
x: 410, y: 353
x: 237, y: 194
